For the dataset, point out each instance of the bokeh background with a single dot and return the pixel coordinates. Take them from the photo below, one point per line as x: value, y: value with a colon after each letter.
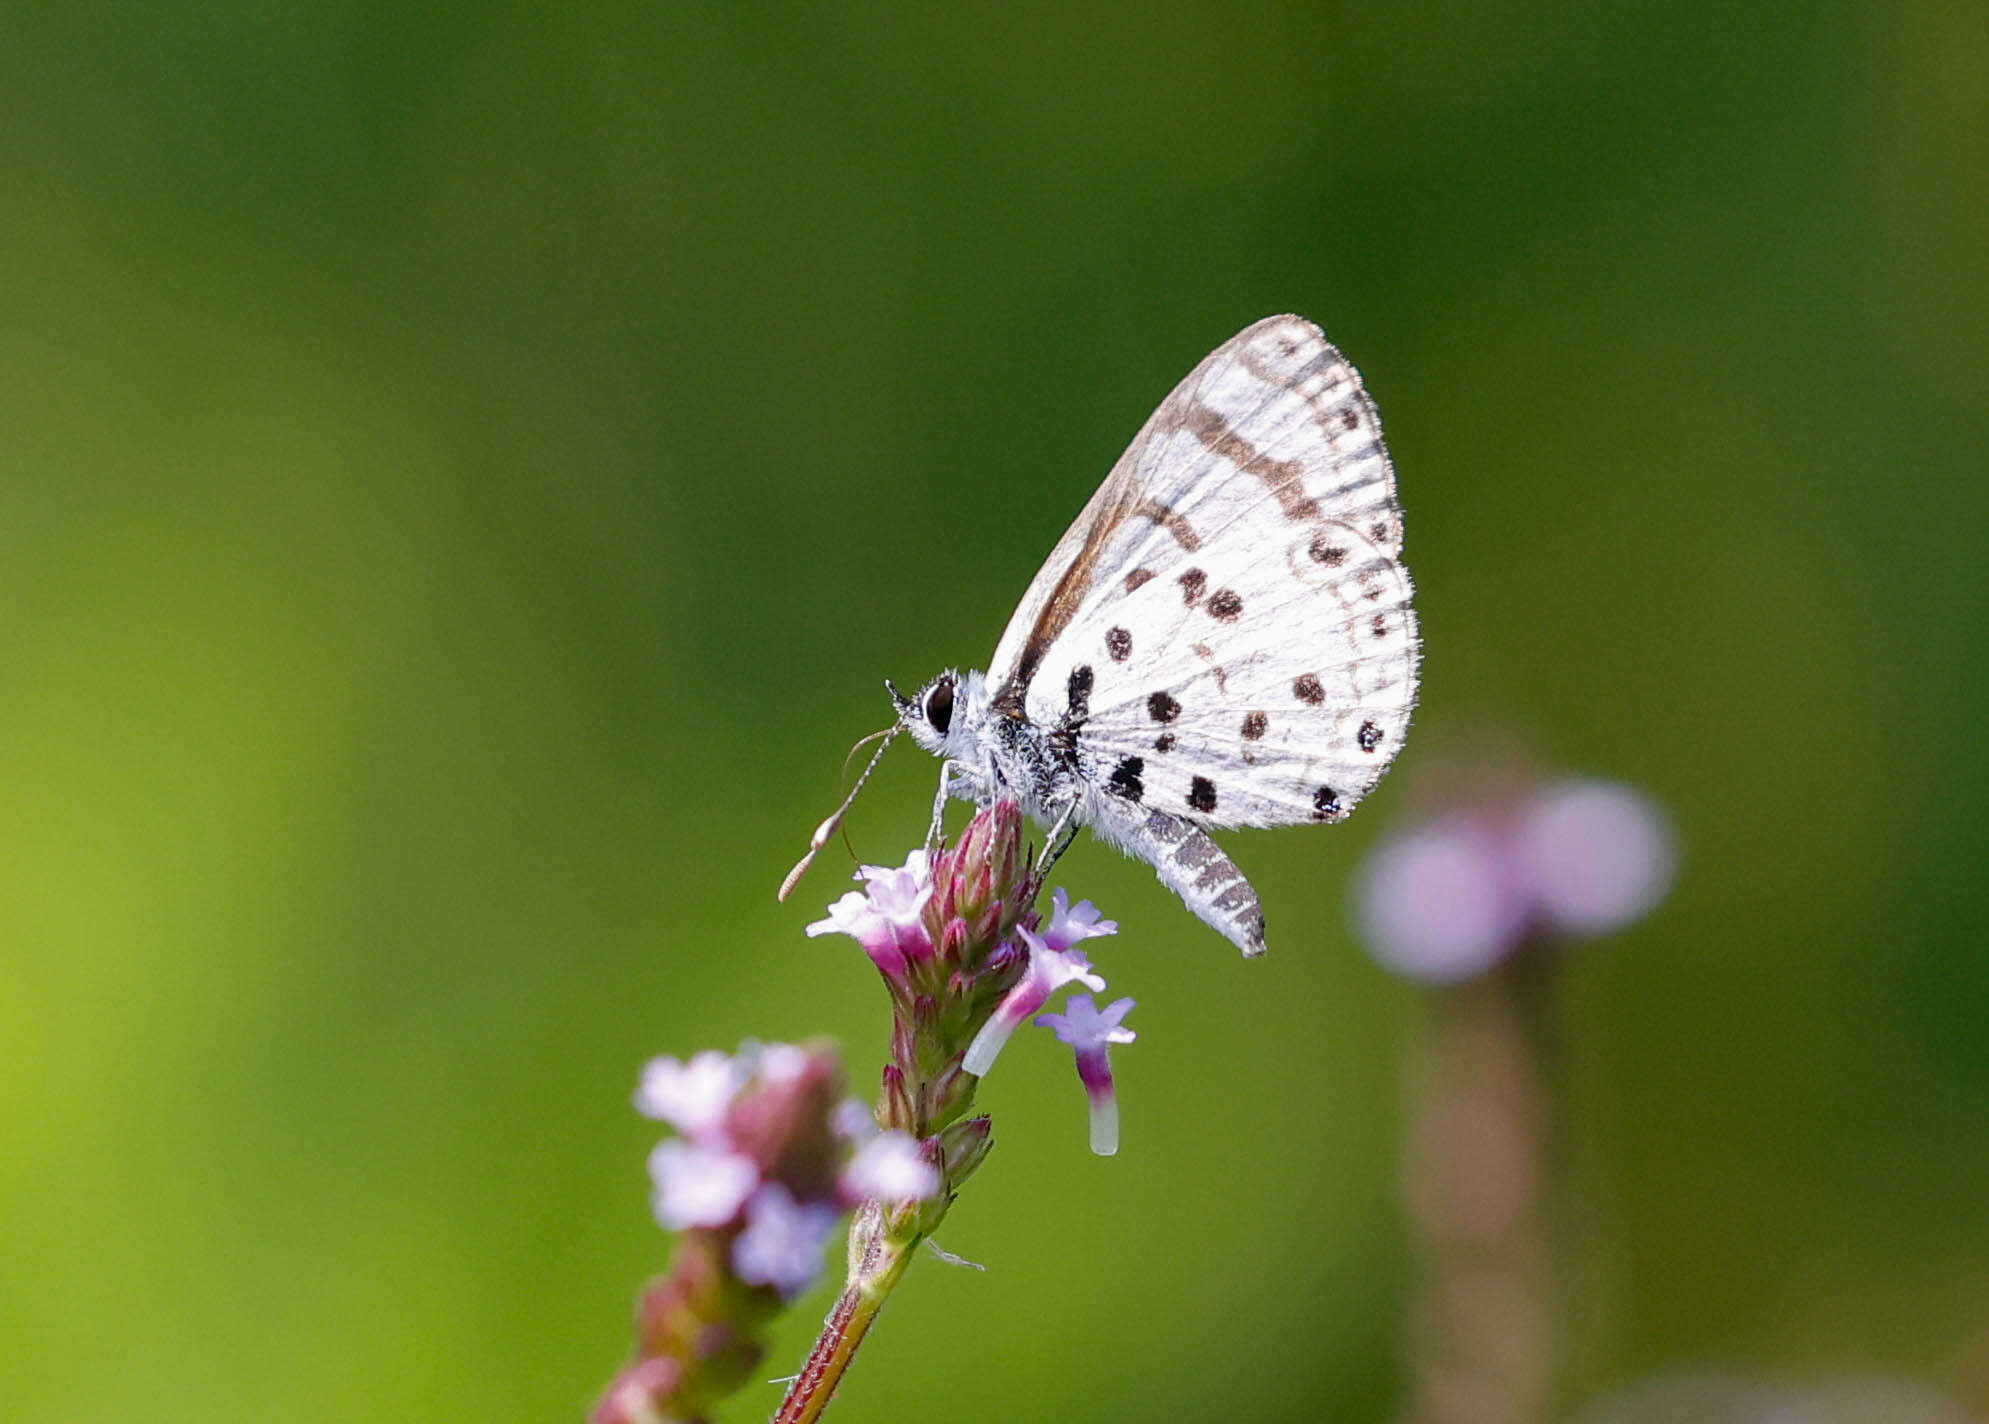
x: 465, y: 470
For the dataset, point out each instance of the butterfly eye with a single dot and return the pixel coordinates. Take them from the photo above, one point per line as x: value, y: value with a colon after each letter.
x: 939, y: 705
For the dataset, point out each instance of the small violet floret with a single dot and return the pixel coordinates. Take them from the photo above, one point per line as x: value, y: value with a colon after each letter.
x: 899, y: 893
x: 692, y: 1097
x: 886, y: 916
x: 1049, y: 970
x: 890, y: 1168
x: 854, y: 1121
x: 1071, y: 924
x: 782, y: 1243
x: 698, y: 1184
x: 1089, y: 1030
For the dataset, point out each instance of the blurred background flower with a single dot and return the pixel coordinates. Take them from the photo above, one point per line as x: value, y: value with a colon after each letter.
x: 1495, y: 873
x: 1464, y: 889
x: 769, y: 1153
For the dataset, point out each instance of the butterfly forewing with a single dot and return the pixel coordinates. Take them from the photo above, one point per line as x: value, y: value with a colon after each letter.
x: 1227, y: 628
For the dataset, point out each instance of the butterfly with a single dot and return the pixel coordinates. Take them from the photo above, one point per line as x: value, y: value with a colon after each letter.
x: 1223, y: 638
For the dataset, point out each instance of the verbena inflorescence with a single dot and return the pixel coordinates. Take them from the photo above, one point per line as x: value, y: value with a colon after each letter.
x: 768, y: 1151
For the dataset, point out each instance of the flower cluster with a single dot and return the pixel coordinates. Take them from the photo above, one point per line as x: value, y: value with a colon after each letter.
x: 1461, y: 892
x: 768, y: 1152
x: 967, y: 960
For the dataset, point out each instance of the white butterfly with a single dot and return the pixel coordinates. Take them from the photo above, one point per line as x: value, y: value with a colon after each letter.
x: 1222, y: 638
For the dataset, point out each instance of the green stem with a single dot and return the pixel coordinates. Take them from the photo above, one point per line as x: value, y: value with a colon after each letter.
x: 877, y: 1262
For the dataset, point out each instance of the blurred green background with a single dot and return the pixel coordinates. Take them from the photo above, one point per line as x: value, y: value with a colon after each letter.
x: 467, y: 469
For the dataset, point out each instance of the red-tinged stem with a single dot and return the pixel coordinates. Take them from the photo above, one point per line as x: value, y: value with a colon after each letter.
x: 876, y: 1265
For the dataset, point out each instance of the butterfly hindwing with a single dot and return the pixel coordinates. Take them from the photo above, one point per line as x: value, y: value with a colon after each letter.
x: 1286, y: 714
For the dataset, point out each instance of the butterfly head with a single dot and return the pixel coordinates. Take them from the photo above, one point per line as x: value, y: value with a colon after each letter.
x: 940, y: 717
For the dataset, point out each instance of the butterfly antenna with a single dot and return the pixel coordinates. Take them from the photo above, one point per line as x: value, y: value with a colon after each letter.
x: 828, y: 828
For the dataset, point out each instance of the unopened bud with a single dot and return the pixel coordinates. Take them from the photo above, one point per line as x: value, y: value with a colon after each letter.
x: 964, y: 1146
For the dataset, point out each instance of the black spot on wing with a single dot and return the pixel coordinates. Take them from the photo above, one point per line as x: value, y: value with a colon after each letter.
x: 1162, y: 708
x: 1325, y: 551
x: 1308, y: 689
x: 1125, y: 779
x: 1164, y: 742
x: 1136, y: 578
x: 1325, y: 804
x: 1202, y: 794
x: 1079, y: 689
x: 1192, y: 584
x: 1118, y: 644
x: 1369, y: 736
x: 1254, y: 724
x: 1225, y: 606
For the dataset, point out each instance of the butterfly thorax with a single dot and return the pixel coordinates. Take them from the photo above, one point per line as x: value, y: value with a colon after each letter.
x: 994, y: 749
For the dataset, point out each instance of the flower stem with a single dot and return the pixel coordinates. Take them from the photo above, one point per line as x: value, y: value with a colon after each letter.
x: 877, y: 1262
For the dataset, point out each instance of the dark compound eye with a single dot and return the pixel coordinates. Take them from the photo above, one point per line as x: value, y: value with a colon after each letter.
x: 939, y: 705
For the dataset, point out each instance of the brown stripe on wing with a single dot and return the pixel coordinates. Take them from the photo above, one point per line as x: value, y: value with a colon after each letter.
x: 1183, y: 532
x: 1285, y: 479
x: 1118, y: 499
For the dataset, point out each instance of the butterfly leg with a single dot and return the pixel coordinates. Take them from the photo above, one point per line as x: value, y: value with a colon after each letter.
x: 1062, y: 834
x: 939, y: 806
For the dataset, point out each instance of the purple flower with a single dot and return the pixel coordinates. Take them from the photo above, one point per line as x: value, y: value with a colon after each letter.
x: 890, y: 1167
x: 1595, y: 855
x: 1454, y: 897
x: 775, y: 1064
x: 698, y: 1185
x: 1069, y: 926
x: 854, y: 1121
x: 1049, y: 970
x: 886, y: 917
x: 1438, y: 903
x: 899, y: 893
x: 1089, y: 1030
x: 692, y: 1097
x: 783, y: 1240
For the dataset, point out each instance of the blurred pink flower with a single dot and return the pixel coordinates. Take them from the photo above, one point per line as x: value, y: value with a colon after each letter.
x: 1594, y: 855
x: 889, y: 1167
x: 783, y: 1240
x: 1438, y: 903
x: 698, y: 1185
x: 1455, y: 896
x: 692, y: 1097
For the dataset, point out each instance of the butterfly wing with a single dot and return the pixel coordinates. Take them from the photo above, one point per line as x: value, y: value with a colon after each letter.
x: 1227, y: 626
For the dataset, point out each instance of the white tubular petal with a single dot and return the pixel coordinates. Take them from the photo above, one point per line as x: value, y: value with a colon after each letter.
x: 987, y: 1045
x: 1105, y: 1126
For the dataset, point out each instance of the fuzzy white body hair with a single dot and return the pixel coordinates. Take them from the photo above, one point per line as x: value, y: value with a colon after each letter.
x: 986, y: 756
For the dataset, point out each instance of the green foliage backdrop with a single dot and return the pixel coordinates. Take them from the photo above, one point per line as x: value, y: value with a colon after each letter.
x: 465, y: 469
